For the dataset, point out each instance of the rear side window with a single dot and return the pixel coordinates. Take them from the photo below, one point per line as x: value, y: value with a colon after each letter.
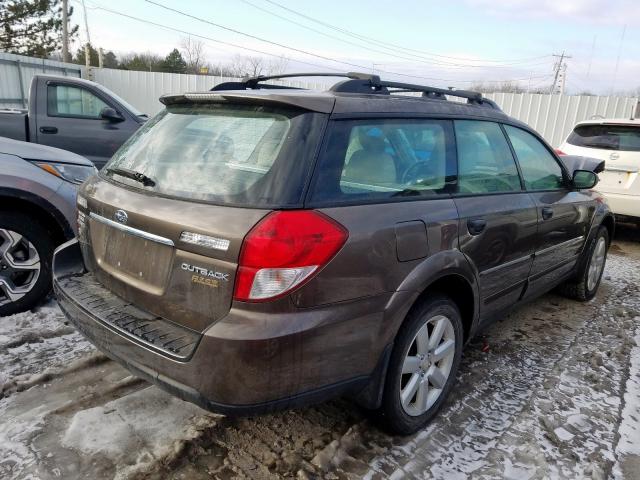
x: 377, y: 159
x: 228, y: 154
x: 485, y: 162
x: 540, y: 169
x: 625, y: 138
x: 68, y: 101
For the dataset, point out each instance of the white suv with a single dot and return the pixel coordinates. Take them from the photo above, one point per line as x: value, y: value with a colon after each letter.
x: 617, y: 141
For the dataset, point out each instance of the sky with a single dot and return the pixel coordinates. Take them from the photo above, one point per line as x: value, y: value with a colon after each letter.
x: 455, y: 43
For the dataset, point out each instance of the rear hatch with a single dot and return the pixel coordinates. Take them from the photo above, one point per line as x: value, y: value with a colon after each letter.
x: 164, y: 222
x: 618, y: 145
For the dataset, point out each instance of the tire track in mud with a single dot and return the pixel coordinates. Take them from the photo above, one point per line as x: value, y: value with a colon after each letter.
x: 503, y: 417
x: 495, y: 390
x: 539, y: 403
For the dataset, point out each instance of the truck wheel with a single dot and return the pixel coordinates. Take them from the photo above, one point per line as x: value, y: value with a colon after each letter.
x: 423, y: 365
x: 26, y: 251
x: 586, y: 283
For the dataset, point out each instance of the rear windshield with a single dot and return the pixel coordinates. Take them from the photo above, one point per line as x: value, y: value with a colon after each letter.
x: 608, y: 137
x: 242, y: 155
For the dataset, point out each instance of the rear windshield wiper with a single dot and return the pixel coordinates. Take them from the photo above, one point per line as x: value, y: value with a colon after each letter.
x: 133, y: 175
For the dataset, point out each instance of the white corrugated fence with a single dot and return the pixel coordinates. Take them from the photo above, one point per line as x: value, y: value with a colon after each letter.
x: 16, y: 72
x: 551, y: 115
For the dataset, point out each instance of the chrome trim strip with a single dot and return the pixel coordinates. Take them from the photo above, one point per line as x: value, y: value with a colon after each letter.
x: 510, y: 263
x: 133, y: 231
x: 563, y: 244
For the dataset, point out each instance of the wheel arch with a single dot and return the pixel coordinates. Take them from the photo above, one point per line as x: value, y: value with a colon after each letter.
x: 608, y: 221
x: 33, y: 205
x: 448, y: 273
x: 461, y: 292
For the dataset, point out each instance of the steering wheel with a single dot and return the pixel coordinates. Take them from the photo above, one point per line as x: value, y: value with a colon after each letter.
x: 414, y: 171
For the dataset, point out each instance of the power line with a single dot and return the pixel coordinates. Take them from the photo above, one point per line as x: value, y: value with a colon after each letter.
x: 249, y: 35
x: 204, y: 37
x: 305, y: 52
x: 368, y: 46
x: 363, y: 68
x: 393, y: 46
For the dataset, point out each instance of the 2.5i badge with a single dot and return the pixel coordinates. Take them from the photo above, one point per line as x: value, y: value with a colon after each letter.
x: 205, y: 276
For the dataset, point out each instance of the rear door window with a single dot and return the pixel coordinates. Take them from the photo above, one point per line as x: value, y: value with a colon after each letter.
x: 485, y: 161
x: 540, y: 169
x: 379, y: 159
x: 624, y: 138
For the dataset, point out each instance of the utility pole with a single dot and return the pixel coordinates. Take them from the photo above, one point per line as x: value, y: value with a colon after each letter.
x: 87, y: 51
x: 560, y: 74
x: 615, y: 71
x: 100, y: 57
x: 65, y: 32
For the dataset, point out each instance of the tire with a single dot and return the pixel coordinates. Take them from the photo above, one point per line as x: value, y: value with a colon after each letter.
x: 26, y: 253
x: 407, y: 417
x: 585, y: 285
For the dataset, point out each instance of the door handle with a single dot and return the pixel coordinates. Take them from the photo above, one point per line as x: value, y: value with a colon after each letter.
x: 476, y: 225
x: 547, y: 213
x: 48, y: 130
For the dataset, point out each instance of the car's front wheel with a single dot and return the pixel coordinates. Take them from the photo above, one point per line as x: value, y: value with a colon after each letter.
x: 26, y: 250
x: 585, y: 286
x: 423, y: 365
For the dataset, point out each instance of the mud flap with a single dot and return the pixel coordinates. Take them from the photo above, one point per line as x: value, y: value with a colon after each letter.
x: 67, y: 259
x: 370, y: 397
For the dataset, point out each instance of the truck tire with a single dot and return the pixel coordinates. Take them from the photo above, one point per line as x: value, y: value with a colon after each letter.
x: 26, y: 252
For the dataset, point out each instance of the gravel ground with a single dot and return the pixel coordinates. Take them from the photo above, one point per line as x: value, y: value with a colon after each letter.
x: 552, y: 390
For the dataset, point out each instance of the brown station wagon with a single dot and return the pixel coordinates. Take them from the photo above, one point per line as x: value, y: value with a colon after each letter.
x: 259, y: 247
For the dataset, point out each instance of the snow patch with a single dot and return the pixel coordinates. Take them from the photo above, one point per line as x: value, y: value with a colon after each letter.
x: 629, y: 443
x: 137, y: 430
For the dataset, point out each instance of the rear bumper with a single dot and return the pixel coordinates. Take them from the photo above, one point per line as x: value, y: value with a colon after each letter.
x: 249, y: 362
x: 623, y: 204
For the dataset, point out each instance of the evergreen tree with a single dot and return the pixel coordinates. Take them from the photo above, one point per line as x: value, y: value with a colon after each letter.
x: 79, y: 57
x: 110, y: 60
x: 32, y: 27
x: 146, y: 62
x: 174, y: 63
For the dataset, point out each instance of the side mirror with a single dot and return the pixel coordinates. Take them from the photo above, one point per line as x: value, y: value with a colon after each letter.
x: 584, y: 179
x: 109, y: 114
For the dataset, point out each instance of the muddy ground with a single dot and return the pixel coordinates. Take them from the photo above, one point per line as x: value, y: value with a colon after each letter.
x: 552, y: 390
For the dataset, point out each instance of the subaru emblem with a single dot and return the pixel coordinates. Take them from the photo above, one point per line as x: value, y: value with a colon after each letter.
x: 614, y: 156
x: 121, y: 216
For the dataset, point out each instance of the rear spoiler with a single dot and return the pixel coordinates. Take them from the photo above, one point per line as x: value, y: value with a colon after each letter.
x: 315, y: 103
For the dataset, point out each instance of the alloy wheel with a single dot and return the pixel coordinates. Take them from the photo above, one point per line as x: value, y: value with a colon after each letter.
x: 427, y: 365
x: 596, y: 264
x: 19, y: 266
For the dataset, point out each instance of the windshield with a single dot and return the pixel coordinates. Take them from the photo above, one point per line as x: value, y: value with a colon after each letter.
x: 229, y: 154
x: 123, y: 102
x: 608, y: 137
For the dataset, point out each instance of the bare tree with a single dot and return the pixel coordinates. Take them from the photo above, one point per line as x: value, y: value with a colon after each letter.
x: 252, y: 66
x: 277, y: 66
x: 504, y: 87
x: 193, y: 53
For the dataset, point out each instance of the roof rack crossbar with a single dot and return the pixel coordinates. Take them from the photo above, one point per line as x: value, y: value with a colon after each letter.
x: 252, y: 82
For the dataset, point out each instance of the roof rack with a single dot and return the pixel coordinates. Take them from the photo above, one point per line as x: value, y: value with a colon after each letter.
x: 362, y: 83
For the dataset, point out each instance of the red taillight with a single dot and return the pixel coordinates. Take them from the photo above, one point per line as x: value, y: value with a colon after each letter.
x: 559, y: 152
x: 283, y: 250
